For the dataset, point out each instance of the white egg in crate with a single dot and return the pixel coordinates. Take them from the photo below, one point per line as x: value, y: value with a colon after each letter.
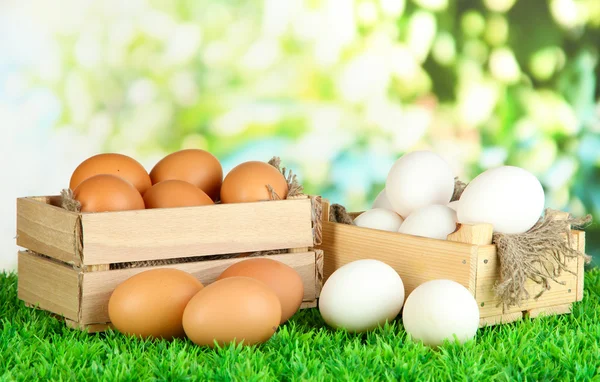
x: 361, y: 295
x: 419, y: 179
x: 379, y: 218
x: 439, y: 310
x: 382, y: 201
x: 436, y: 222
x: 510, y: 198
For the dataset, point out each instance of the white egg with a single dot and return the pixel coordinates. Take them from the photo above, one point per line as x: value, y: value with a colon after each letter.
x: 419, y: 179
x: 510, y: 198
x: 439, y: 309
x: 453, y: 205
x: 436, y: 221
x: 379, y: 218
x: 381, y: 201
x: 361, y: 295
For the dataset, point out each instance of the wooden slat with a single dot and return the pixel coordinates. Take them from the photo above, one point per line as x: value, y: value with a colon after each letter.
x: 549, y: 310
x: 580, y: 235
x: 196, y: 231
x: 309, y: 304
x: 416, y: 259
x: 488, y: 274
x: 480, y: 234
x: 500, y: 319
x: 90, y: 328
x: 98, y: 286
x: 47, y: 229
x: 48, y: 284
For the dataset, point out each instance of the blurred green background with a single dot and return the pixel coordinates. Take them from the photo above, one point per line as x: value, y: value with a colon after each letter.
x: 338, y: 89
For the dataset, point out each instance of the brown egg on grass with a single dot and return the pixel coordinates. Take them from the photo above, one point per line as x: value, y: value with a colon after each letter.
x: 281, y: 278
x: 151, y: 303
x: 198, y: 167
x: 175, y: 193
x: 248, y: 182
x: 113, y: 164
x: 234, y: 309
x: 103, y: 193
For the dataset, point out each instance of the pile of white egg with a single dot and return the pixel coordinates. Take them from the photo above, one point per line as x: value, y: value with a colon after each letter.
x: 417, y: 197
x: 364, y: 294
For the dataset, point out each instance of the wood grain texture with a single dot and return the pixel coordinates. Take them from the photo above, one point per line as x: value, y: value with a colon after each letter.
x: 309, y: 304
x: 549, y: 310
x: 488, y: 274
x: 48, y: 284
x: 580, y: 235
x: 196, y: 231
x: 47, y: 229
x: 90, y: 328
x: 98, y: 286
x: 416, y: 259
x: 480, y: 234
x: 559, y: 294
x: 500, y: 319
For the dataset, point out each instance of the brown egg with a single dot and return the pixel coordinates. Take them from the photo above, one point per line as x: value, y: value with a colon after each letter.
x: 234, y: 309
x: 248, y: 182
x: 113, y: 164
x: 198, y: 167
x: 175, y: 193
x: 151, y: 303
x: 283, y: 279
x: 102, y: 193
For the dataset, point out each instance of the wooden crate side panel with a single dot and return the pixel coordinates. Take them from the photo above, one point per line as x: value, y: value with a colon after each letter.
x: 416, y: 259
x: 98, y: 286
x: 558, y: 294
x: 48, y: 285
x: 580, y: 235
x: 196, y: 231
x: 488, y: 274
x: 47, y: 229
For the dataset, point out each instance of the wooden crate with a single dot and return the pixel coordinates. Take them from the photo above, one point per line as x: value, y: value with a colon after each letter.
x: 69, y: 267
x: 467, y: 257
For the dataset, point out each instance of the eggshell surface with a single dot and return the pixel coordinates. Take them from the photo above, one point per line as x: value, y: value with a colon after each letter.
x: 248, y: 182
x: 439, y: 309
x: 281, y: 278
x: 436, y: 222
x: 419, y: 179
x: 198, y: 167
x: 361, y: 295
x: 382, y: 201
x: 175, y: 193
x: 113, y: 164
x: 232, y: 309
x: 510, y: 198
x: 379, y: 218
x: 151, y: 303
x: 103, y: 193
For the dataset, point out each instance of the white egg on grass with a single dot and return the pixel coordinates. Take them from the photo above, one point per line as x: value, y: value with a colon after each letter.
x: 436, y: 221
x: 510, y: 198
x: 419, y: 179
x: 439, y: 310
x: 382, y: 201
x: 361, y: 295
x: 379, y: 218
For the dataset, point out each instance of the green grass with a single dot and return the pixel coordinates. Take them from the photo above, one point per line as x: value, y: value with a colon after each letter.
x: 36, y: 346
